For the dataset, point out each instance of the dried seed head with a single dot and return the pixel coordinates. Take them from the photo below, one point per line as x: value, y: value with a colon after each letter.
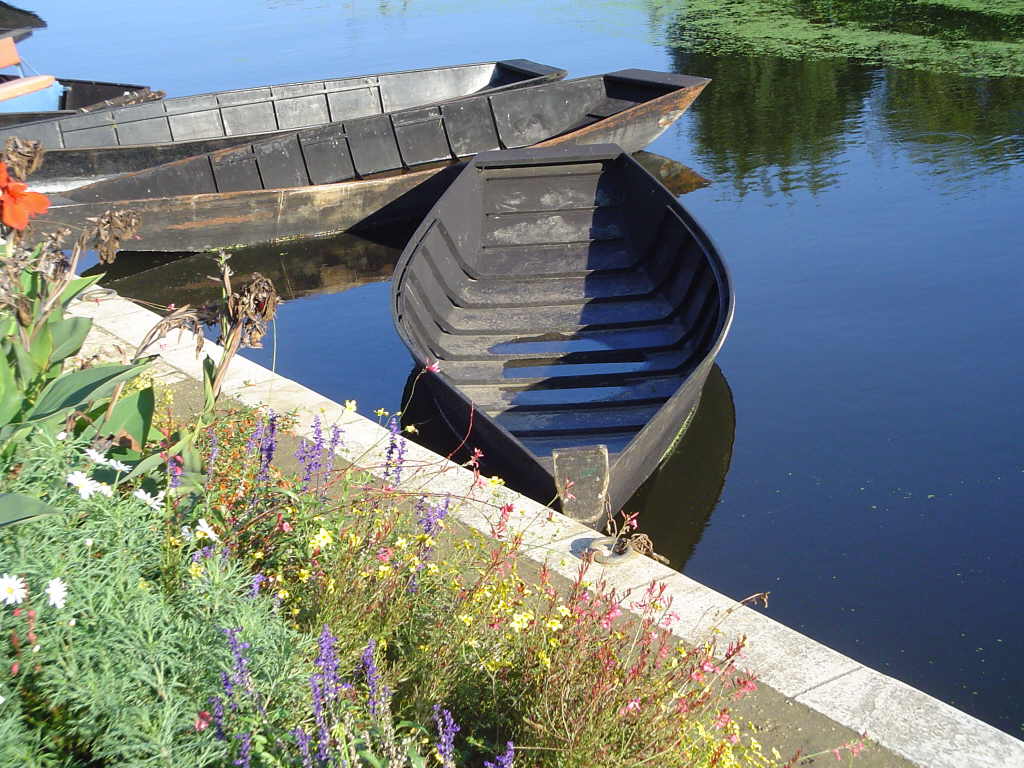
x: 22, y: 156
x: 253, y: 309
x: 111, y: 228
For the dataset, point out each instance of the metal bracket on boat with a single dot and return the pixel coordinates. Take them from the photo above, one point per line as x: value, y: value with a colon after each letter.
x: 581, y: 477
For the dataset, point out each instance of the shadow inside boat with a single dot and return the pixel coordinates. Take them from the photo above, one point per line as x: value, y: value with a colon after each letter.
x: 677, y: 500
x: 297, y: 268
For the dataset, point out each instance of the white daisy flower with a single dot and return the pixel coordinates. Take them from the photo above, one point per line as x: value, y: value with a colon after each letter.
x: 203, y: 530
x: 12, y: 589
x: 118, y: 466
x: 88, y: 543
x: 84, y: 484
x: 95, y: 456
x: 153, y: 502
x: 104, y: 490
x: 57, y: 592
x: 62, y: 435
x: 186, y: 533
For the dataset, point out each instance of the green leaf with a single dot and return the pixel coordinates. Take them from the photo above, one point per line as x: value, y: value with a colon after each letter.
x: 80, y: 387
x: 131, y: 418
x: 18, y: 508
x: 41, y: 346
x: 209, y: 373
x: 11, y: 397
x: 76, y: 286
x: 7, y: 325
x: 27, y: 369
x: 68, y: 336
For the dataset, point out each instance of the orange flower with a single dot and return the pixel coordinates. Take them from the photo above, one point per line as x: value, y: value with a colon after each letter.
x: 17, y: 203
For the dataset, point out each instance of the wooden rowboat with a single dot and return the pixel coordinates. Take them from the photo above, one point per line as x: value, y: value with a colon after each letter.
x: 373, y: 171
x: 575, y: 308
x: 113, y: 141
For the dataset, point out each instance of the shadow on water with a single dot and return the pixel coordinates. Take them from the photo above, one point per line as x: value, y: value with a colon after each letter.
x: 676, y: 502
x: 772, y: 125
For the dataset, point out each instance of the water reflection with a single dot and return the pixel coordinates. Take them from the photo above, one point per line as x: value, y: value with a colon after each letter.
x: 771, y: 125
x: 676, y: 502
x: 297, y: 269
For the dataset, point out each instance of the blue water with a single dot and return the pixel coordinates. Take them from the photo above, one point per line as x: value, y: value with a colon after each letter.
x: 872, y: 222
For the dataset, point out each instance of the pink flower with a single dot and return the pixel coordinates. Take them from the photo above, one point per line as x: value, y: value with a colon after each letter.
x: 723, y: 719
x: 697, y: 676
x: 633, y: 705
x: 856, y: 748
x: 384, y: 554
x: 708, y: 667
x: 203, y: 720
x: 837, y: 753
x: 613, y: 613
x: 433, y: 367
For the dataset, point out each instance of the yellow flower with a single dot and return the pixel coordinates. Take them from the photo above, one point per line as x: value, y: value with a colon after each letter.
x: 322, y: 540
x: 258, y: 554
x: 545, y: 660
x: 144, y: 585
x: 465, y: 618
x: 381, y: 412
x: 304, y: 574
x: 401, y: 542
x: 553, y: 642
x: 174, y: 541
x: 473, y: 642
x: 284, y: 594
x: 553, y: 624
x: 353, y: 539
x: 562, y: 611
x: 495, y: 480
x: 411, y: 429
x: 295, y: 611
x: 383, y: 570
x: 350, y: 405
x: 521, y: 620
x: 195, y: 570
x: 432, y: 568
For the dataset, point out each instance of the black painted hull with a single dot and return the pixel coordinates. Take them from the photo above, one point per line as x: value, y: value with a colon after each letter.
x: 571, y: 302
x: 113, y: 141
x: 371, y: 172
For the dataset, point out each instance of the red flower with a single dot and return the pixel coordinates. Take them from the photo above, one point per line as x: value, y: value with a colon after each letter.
x: 203, y: 720
x: 17, y: 203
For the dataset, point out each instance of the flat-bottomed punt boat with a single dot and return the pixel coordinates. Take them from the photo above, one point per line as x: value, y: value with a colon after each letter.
x: 373, y: 171
x: 570, y: 302
x: 113, y: 141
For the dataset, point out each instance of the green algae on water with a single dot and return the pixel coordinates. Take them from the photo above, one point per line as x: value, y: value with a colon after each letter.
x: 966, y: 37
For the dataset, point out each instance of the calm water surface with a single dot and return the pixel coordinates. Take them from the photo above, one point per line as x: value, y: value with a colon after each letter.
x: 859, y: 453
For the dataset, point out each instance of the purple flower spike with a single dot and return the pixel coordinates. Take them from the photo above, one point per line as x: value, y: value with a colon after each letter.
x: 446, y: 730
x: 217, y: 712
x: 504, y: 760
x: 268, y: 445
x: 378, y: 692
x: 257, y: 582
x: 244, y: 750
x: 430, y: 517
x: 395, y: 456
x: 302, y: 739
x: 327, y: 662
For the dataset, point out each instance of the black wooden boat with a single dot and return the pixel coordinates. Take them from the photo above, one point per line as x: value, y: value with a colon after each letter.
x: 113, y: 141
x: 82, y: 96
x: 571, y: 301
x: 372, y: 171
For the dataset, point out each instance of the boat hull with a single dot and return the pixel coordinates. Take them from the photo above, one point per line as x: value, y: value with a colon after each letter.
x: 122, y: 140
x: 572, y: 303
x: 386, y: 191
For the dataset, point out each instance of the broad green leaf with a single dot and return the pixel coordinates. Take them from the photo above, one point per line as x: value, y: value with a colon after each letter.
x: 27, y: 369
x: 209, y: 372
x: 68, y: 336
x: 11, y: 396
x: 80, y: 387
x: 7, y: 324
x: 76, y: 286
x: 41, y: 347
x: 131, y: 418
x: 18, y: 508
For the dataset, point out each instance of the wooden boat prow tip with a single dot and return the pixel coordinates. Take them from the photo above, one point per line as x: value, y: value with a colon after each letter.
x: 372, y: 172
x: 571, y: 301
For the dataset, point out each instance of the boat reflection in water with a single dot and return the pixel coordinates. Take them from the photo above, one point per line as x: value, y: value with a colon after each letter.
x: 299, y: 268
x: 675, y: 503
x: 307, y: 266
